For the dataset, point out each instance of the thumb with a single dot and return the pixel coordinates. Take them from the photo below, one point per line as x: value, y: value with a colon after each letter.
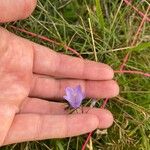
x: 12, y: 10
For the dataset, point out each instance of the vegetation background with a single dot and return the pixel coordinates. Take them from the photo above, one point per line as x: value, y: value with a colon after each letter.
x: 103, y: 31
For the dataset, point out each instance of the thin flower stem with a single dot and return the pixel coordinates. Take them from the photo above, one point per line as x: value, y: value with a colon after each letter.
x: 138, y: 11
x: 104, y: 103
x: 73, y: 110
x: 132, y: 72
x: 87, y: 140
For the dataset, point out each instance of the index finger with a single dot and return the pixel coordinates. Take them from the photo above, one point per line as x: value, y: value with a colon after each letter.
x: 51, y: 63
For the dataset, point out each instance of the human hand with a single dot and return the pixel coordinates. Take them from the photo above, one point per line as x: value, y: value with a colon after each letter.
x: 30, y: 70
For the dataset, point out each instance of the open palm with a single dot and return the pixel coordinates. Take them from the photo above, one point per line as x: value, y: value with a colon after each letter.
x: 30, y: 74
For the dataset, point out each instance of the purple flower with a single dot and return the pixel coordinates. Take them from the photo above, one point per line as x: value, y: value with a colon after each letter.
x: 74, y: 96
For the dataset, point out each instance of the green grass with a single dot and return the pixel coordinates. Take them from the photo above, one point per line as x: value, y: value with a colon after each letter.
x: 99, y: 31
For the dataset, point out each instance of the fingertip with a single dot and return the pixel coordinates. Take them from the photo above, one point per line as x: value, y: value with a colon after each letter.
x: 81, y: 124
x: 98, y: 71
x: 109, y: 72
x: 92, y: 122
x: 114, y: 88
x: 29, y: 7
x: 105, y: 119
x: 12, y: 11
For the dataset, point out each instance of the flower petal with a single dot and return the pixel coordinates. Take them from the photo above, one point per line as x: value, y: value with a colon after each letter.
x: 72, y: 102
x: 69, y: 91
x: 67, y: 98
x: 77, y: 89
x: 74, y: 96
x: 75, y: 103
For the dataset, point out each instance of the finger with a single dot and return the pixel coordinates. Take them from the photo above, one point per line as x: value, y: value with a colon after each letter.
x: 12, y: 10
x: 46, y: 87
x: 40, y: 106
x: 37, y: 106
x: 48, y: 62
x: 27, y: 127
x: 51, y: 63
